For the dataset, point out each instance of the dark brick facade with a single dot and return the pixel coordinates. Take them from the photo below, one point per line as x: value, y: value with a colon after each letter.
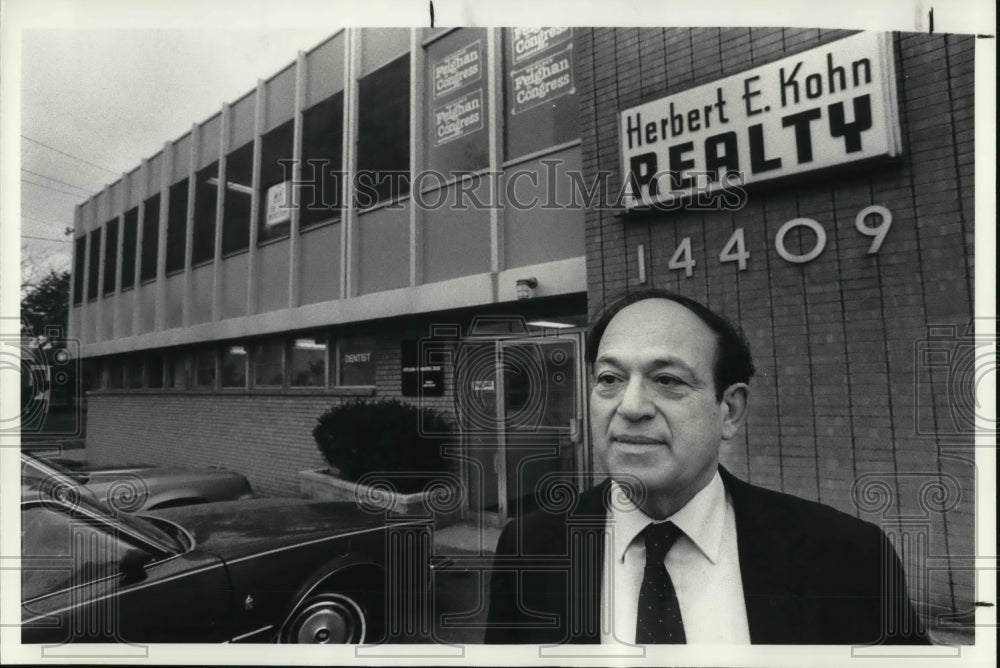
x: 844, y: 409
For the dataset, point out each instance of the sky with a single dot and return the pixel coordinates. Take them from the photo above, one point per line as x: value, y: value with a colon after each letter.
x: 96, y: 101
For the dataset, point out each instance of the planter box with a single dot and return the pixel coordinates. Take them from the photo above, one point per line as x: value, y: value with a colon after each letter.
x: 438, y: 503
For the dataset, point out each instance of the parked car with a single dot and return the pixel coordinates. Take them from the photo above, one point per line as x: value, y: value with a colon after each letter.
x: 258, y: 570
x: 137, y: 487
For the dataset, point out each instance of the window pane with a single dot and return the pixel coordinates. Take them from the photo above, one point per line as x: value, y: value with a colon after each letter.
x: 130, y: 234
x: 205, y: 195
x: 93, y: 271
x: 274, y: 219
x: 177, y: 226
x: 154, y: 370
x: 134, y: 372
x: 204, y: 371
x: 150, y: 237
x: 322, y: 161
x: 116, y: 374
x: 540, y: 109
x: 92, y: 374
x: 456, y: 102
x: 48, y: 532
x: 110, y: 255
x: 357, y: 361
x: 234, y: 366
x: 237, y: 199
x: 384, y: 133
x: 79, y: 257
x: 177, y: 371
x: 268, y: 364
x: 308, y: 362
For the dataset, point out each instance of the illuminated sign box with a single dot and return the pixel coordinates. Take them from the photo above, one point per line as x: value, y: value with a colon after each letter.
x: 828, y: 106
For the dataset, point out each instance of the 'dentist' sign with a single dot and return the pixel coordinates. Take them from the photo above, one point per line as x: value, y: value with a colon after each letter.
x: 828, y: 106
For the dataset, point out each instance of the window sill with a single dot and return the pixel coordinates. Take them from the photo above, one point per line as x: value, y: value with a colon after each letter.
x: 540, y: 154
x: 470, y: 174
x: 268, y: 242
x: 234, y: 253
x: 315, y: 226
x: 392, y: 203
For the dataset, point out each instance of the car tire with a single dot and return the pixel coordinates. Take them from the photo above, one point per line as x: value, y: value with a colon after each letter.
x: 336, y: 615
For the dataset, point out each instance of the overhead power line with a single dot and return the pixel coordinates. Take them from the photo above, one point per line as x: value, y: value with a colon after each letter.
x: 54, y: 223
x: 58, y: 190
x: 70, y: 155
x: 30, y: 236
x: 52, y: 178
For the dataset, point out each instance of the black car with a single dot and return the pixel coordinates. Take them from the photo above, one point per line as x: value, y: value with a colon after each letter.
x: 258, y: 570
x: 136, y: 487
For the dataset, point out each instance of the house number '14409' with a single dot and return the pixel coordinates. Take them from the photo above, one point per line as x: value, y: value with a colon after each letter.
x: 736, y: 251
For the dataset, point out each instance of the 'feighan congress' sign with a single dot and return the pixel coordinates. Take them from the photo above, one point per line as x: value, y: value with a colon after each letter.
x: 540, y: 75
x: 831, y: 105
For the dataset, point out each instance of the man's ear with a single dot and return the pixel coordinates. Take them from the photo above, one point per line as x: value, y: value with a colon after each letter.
x: 734, y: 405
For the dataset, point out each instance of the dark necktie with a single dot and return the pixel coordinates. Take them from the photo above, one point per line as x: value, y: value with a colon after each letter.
x: 658, y: 618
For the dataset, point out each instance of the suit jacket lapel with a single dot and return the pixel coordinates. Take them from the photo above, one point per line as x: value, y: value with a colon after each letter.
x: 778, y: 610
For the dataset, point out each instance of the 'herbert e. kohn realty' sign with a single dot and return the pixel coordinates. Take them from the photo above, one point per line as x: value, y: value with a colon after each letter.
x: 827, y: 106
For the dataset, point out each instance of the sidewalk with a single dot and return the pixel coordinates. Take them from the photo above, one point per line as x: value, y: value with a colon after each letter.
x: 466, y: 539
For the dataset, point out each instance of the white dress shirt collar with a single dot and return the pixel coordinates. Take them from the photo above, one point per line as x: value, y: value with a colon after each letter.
x: 701, y: 519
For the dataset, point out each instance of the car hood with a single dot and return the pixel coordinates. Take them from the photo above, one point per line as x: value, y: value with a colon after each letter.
x: 149, y: 472
x: 237, y: 528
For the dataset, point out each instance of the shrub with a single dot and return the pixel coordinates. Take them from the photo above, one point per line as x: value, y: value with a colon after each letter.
x: 387, y: 436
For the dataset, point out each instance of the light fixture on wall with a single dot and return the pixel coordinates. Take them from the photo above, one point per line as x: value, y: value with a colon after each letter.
x: 526, y: 287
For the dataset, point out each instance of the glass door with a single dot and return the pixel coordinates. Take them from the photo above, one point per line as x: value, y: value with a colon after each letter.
x: 541, y: 415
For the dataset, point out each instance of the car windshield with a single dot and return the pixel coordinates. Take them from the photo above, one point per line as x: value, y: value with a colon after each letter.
x: 39, y: 480
x: 35, y: 468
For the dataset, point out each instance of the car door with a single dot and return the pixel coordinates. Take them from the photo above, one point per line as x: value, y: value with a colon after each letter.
x: 87, y: 578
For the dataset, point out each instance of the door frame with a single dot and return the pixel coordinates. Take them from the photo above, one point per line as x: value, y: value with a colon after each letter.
x: 582, y: 456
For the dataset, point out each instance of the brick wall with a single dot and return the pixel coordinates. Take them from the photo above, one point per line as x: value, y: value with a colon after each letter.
x: 841, y: 396
x: 265, y: 436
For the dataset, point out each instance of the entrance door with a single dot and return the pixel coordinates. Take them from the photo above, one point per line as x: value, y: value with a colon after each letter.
x: 521, y: 411
x: 542, y: 418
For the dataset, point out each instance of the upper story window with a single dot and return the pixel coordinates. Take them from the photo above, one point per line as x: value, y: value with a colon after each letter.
x: 206, y: 191
x: 110, y: 255
x: 79, y: 258
x: 540, y: 105
x: 237, y: 199
x: 322, y: 162
x: 177, y: 226
x: 130, y: 236
x: 150, y: 237
x: 384, y: 134
x: 94, y: 269
x: 275, y: 199
x: 455, y: 122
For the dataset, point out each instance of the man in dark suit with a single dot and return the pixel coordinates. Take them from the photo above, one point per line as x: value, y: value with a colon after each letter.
x: 672, y: 548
